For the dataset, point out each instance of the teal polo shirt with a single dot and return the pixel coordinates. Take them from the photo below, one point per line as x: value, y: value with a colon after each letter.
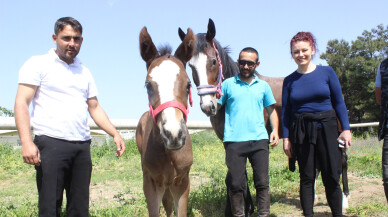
x: 244, y: 105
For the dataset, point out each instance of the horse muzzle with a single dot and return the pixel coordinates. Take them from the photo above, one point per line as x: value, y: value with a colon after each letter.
x: 174, y: 138
x: 209, y: 104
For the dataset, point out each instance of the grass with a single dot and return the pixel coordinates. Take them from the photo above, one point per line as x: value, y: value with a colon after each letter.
x: 117, y: 182
x: 369, y: 209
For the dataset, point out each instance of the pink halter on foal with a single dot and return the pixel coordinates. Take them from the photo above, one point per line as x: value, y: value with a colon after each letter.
x: 175, y: 104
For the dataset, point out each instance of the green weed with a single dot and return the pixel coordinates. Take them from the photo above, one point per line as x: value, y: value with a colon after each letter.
x: 369, y: 209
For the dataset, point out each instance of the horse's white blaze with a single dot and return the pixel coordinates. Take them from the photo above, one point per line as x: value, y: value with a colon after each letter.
x: 199, y: 62
x: 162, y: 75
x: 171, y: 124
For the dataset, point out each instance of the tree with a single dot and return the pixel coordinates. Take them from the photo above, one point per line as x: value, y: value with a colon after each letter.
x: 5, y: 112
x: 356, y: 64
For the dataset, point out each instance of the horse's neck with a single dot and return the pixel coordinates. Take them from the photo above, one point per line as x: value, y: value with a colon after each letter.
x: 230, y: 68
x: 260, y: 76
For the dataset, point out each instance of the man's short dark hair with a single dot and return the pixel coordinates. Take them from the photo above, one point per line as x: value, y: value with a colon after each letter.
x: 64, y: 21
x: 250, y: 50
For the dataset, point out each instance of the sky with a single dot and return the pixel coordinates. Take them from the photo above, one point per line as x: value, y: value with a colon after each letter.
x: 111, y: 30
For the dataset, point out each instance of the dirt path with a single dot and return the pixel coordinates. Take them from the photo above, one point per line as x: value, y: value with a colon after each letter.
x: 363, y: 190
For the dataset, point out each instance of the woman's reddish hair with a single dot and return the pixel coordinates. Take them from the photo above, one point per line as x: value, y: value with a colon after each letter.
x: 304, y: 36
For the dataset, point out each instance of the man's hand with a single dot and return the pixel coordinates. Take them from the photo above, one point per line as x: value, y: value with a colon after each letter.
x: 31, y: 154
x: 274, y: 120
x: 274, y: 138
x: 120, y: 144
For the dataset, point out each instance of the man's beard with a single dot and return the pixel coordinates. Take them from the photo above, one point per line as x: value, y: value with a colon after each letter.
x: 247, y: 73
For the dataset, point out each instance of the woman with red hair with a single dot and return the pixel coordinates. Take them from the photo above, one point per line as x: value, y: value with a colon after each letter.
x: 312, y: 101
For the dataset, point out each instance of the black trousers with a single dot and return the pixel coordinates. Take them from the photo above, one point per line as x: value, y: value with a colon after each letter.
x: 385, y: 165
x: 309, y: 157
x: 64, y: 165
x: 237, y: 154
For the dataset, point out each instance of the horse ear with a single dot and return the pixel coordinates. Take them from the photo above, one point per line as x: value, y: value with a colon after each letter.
x: 186, y: 49
x: 211, y: 30
x: 182, y: 34
x: 148, y: 50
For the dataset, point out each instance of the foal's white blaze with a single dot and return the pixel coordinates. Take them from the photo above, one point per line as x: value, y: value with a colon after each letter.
x: 165, y: 76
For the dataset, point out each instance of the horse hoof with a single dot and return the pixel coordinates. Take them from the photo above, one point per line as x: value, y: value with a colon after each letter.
x: 345, y: 201
x: 316, y: 200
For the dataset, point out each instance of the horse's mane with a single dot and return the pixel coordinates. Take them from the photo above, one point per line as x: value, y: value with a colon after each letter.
x: 229, y: 67
x: 165, y: 49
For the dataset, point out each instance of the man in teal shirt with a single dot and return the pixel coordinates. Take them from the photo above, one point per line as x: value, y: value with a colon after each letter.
x: 245, y: 136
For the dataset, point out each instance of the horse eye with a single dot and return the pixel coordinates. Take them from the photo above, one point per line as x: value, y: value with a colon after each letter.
x: 148, y: 85
x: 188, y: 86
x: 193, y: 68
x: 214, y: 62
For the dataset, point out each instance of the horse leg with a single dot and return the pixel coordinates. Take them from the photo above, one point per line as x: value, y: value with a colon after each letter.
x: 346, y: 193
x: 153, y: 193
x: 167, y: 202
x: 180, y: 192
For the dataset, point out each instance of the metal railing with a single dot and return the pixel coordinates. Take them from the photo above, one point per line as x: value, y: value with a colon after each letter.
x: 8, y: 123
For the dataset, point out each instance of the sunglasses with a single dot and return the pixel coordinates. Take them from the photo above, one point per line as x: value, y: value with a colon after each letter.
x: 246, y: 62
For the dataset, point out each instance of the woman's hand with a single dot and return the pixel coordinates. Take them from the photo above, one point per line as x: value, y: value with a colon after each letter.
x: 346, y: 136
x: 287, y: 147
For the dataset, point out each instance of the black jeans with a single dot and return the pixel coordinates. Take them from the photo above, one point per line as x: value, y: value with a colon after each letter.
x: 64, y: 165
x: 309, y: 155
x: 385, y: 165
x: 236, y: 158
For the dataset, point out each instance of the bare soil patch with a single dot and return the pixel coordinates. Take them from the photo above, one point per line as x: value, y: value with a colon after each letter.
x: 363, y: 190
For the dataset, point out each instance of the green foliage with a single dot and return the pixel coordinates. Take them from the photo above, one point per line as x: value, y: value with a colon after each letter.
x: 204, y: 138
x: 108, y: 150
x: 356, y: 64
x: 369, y: 209
x: 373, y: 161
x: 364, y: 157
x: 6, y: 112
x: 26, y: 209
x: 11, y: 162
x: 208, y: 170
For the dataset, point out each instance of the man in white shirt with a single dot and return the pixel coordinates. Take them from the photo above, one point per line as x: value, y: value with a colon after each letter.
x: 63, y: 92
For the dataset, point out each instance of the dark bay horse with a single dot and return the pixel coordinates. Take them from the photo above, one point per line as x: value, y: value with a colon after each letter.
x: 162, y: 136
x: 208, y: 60
x: 211, y: 64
